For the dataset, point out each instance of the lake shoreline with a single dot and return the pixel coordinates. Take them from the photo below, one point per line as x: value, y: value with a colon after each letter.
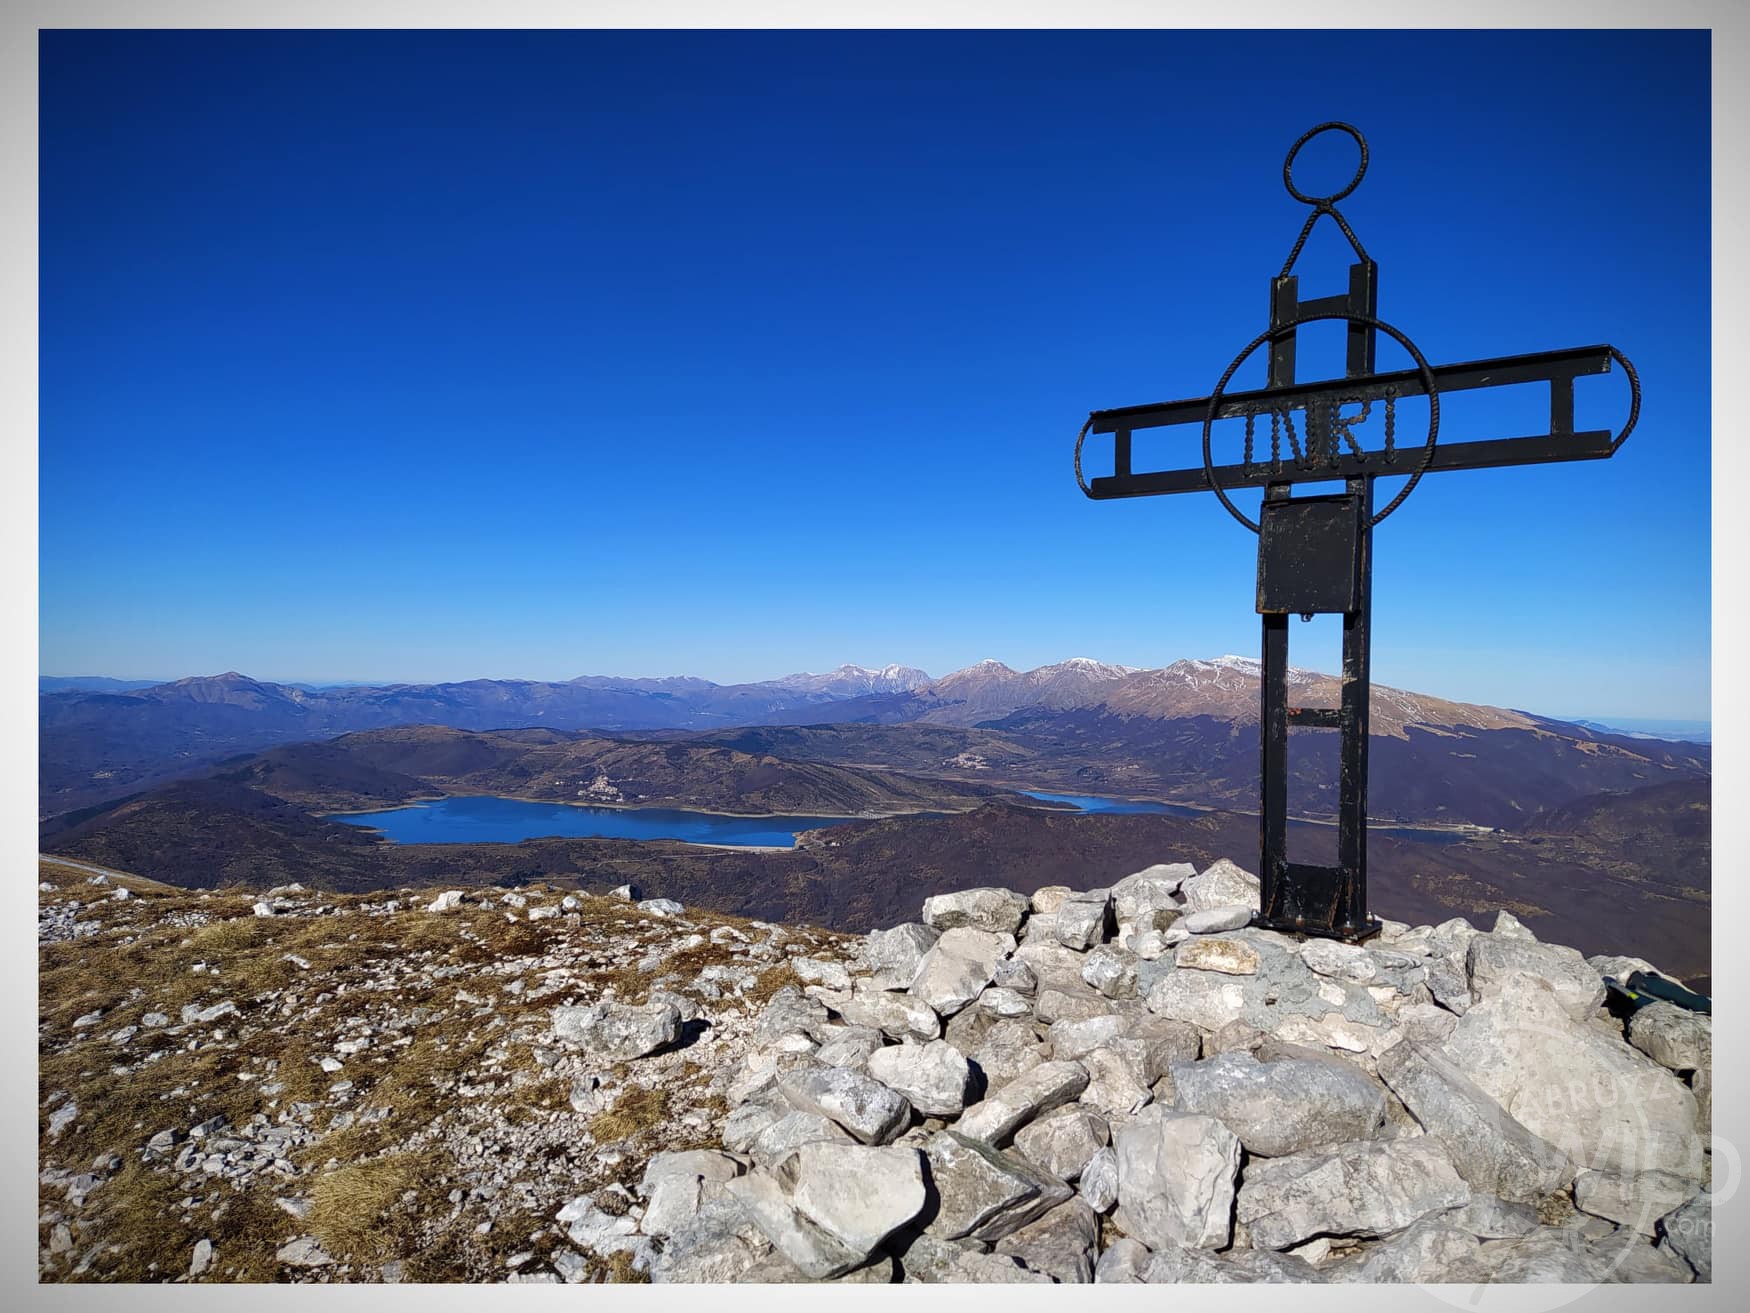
x: 654, y: 806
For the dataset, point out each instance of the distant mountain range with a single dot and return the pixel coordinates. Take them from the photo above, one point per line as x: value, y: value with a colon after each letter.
x: 1187, y: 730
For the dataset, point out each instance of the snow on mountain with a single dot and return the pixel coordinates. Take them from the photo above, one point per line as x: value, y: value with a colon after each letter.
x: 856, y: 681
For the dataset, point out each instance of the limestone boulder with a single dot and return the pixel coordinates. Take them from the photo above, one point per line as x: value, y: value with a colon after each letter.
x: 617, y: 1032
x: 935, y: 1077
x: 896, y: 954
x: 1675, y: 1038
x: 998, y: 910
x: 1368, y: 1188
x: 1001, y: 1113
x: 1176, y: 1179
x: 1064, y: 1141
x: 1492, y: 958
x: 958, y: 967
x: 869, y: 1110
x: 1493, y: 1151
x: 1604, y: 1104
x: 1222, y: 884
x: 983, y: 1193
x: 1280, y: 1108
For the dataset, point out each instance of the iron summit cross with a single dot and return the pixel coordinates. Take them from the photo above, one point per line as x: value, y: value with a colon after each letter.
x: 1315, y: 553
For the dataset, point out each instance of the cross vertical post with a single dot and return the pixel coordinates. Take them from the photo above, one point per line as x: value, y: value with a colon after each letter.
x: 1294, y: 896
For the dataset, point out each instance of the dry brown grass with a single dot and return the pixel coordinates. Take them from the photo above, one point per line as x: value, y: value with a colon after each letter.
x: 770, y: 981
x: 139, y: 1211
x: 637, y: 1110
x: 355, y: 1210
x: 621, y: 1271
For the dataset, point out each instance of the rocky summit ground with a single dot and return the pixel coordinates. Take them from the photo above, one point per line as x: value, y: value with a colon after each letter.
x: 1118, y: 1084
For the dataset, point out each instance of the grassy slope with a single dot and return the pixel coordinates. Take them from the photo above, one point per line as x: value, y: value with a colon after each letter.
x: 362, y: 959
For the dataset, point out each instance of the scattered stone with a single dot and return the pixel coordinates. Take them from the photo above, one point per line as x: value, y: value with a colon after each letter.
x: 1113, y: 1084
x: 663, y: 907
x: 1491, y: 959
x: 1055, y: 1005
x: 1688, y: 1233
x: 1231, y: 957
x: 1007, y: 1051
x: 933, y: 1261
x: 593, y: 1228
x: 1060, y: 1243
x: 448, y: 901
x: 1177, y: 1265
x: 897, y: 1016
x: 1082, y: 920
x: 1604, y: 1104
x: 1016, y: 976
x: 897, y: 954
x: 859, y: 1194
x: 1488, y: 1217
x: 1047, y: 900
x: 788, y: 1133
x: 1112, y: 971
x: 1148, y: 900
x: 61, y: 1118
x: 1099, y: 1183
x: 1425, y: 1252
x: 202, y: 1259
x: 1553, y: 1254
x: 813, y: 971
x: 1214, y: 920
x: 1004, y: 1003
x: 305, y: 1251
x: 853, y: 1207
x: 1121, y: 1262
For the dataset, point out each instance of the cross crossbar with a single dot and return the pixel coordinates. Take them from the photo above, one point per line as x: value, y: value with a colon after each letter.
x: 1318, y: 399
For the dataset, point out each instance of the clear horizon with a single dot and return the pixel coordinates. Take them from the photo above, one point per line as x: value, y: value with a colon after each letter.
x: 426, y: 355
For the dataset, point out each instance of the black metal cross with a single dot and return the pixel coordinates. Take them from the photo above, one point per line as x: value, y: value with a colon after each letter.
x: 1315, y: 553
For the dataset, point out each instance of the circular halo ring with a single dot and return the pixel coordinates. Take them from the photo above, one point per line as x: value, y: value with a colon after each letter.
x: 1334, y: 197
x: 1369, y: 321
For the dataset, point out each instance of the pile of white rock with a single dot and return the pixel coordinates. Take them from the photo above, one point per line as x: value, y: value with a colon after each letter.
x: 1131, y: 1084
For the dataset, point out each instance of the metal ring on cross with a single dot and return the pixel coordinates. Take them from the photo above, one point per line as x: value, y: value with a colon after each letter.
x: 1369, y: 321
x: 1334, y: 197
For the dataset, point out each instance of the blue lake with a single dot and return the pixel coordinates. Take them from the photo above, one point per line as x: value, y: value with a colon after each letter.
x: 510, y: 820
x: 1091, y: 803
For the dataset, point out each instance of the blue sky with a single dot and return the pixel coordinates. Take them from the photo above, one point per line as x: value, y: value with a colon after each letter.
x: 409, y: 355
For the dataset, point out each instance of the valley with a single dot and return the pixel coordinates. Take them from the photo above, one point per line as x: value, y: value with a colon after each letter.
x: 1605, y: 834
